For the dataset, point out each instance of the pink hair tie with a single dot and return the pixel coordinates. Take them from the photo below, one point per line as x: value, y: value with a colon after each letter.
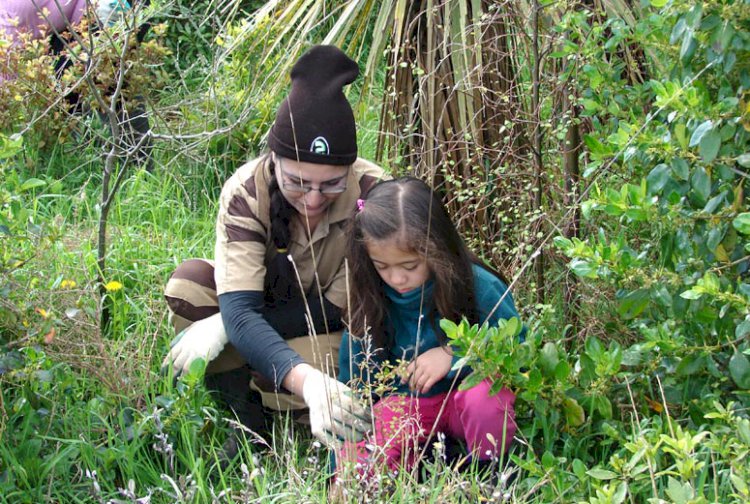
x: 360, y: 205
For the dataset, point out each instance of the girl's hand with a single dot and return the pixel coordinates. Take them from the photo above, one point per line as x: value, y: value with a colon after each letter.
x: 428, y: 369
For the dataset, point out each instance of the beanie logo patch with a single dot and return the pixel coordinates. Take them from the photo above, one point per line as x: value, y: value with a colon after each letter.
x: 320, y: 146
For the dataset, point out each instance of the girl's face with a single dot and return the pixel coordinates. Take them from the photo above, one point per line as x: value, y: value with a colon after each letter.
x: 310, y: 188
x: 400, y: 270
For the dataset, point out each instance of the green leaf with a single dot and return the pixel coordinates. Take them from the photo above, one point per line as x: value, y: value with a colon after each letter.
x: 726, y: 32
x: 701, y: 183
x: 691, y: 294
x: 677, y: 492
x: 666, y: 249
x: 713, y: 204
x: 727, y: 132
x: 496, y: 388
x: 535, y: 380
x: 657, y: 178
x: 583, y: 268
x: 461, y: 363
x: 634, y: 355
x: 594, y: 347
x: 680, y: 169
x: 739, y: 484
x: 662, y: 296
x: 691, y: 364
x: 10, y: 146
x: 680, y: 134
x: 548, y: 460
x: 729, y: 61
x: 548, y: 358
x: 579, y: 469
x: 562, y: 371
x: 715, y: 235
x: 601, y: 474
x: 743, y: 430
x: 658, y: 3
x: 595, y: 146
x: 739, y: 369
x: 31, y: 183
x: 633, y: 304
x: 688, y: 47
x: 742, y: 329
x: 574, y: 415
x: 449, y: 328
x: 699, y: 132
x: 603, y: 405
x: 744, y: 160
x: 165, y: 402
x: 562, y: 243
x: 620, y: 493
x: 709, y: 145
x: 197, y: 368
x: 677, y: 31
x: 742, y: 223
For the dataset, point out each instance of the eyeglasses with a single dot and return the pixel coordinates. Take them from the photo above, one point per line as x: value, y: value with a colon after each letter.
x: 294, y: 185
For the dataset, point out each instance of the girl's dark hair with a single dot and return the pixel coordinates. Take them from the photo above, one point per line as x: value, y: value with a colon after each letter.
x: 281, y: 280
x: 408, y: 210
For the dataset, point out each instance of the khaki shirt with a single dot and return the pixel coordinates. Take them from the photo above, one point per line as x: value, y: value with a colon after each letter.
x: 243, y: 233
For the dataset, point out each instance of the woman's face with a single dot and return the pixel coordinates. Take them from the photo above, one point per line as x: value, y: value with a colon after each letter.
x: 310, y: 188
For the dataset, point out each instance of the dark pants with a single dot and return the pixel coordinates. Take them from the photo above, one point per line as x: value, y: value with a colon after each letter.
x: 232, y: 389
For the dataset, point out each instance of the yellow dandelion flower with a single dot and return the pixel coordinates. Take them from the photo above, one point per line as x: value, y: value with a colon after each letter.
x: 67, y: 284
x: 42, y: 312
x: 113, y: 286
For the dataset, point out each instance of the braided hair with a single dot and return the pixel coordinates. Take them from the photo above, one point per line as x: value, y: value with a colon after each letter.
x: 281, y: 279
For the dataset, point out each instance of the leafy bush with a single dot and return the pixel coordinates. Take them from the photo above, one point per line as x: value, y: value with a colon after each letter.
x: 192, y: 27
x: 668, y: 225
x: 673, y: 239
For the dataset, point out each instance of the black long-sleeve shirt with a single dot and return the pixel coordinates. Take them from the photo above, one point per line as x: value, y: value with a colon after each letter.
x: 258, y: 331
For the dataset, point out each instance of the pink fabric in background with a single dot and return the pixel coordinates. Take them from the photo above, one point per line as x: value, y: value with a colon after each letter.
x: 402, y: 423
x: 24, y: 16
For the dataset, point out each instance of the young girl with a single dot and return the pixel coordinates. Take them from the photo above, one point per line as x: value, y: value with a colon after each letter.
x: 410, y: 269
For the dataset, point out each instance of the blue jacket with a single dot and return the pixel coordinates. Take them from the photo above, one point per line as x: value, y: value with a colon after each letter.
x: 404, y: 316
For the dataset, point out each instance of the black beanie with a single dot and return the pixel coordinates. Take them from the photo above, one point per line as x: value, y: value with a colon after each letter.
x: 316, y: 113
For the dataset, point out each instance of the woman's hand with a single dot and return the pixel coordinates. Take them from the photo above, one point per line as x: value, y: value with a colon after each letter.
x: 203, y: 339
x: 428, y: 368
x: 336, y: 413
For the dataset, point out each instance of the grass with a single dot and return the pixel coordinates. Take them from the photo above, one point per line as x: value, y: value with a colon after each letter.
x: 91, y: 418
x: 87, y: 417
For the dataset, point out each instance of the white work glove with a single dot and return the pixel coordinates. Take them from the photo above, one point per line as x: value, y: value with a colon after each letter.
x: 110, y: 12
x: 336, y: 414
x: 203, y: 339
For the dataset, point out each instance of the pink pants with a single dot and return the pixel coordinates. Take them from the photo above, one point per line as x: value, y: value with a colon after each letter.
x: 402, y: 424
